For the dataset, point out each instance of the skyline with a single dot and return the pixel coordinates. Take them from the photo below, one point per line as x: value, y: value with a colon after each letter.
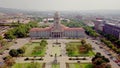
x: 61, y: 5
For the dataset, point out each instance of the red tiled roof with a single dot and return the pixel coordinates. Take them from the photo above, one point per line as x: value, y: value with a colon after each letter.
x: 49, y: 28
x: 40, y: 29
x: 74, y: 29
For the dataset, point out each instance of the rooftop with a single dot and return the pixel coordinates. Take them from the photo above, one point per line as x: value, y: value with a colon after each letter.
x: 114, y: 24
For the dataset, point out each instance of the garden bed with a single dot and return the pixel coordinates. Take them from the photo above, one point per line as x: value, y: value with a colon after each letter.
x: 55, y: 65
x: 34, y: 49
x: 29, y: 65
x: 72, y: 49
x: 79, y: 65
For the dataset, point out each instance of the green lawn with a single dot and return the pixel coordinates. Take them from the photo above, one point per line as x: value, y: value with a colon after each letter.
x: 80, y: 65
x: 87, y: 65
x: 6, y: 46
x: 75, y: 51
x: 30, y: 50
x: 28, y: 65
x: 56, y: 50
x: 55, y: 65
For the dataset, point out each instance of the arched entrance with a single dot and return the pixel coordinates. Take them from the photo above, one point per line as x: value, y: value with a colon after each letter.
x: 56, y: 34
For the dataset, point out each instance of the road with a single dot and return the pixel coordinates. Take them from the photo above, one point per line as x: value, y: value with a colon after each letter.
x: 102, y: 51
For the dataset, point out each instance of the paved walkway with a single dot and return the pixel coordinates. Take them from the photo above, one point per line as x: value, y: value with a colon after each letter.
x: 20, y: 43
x: 61, y: 59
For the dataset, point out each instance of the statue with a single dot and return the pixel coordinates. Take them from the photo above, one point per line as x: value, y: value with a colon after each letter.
x: 55, y: 60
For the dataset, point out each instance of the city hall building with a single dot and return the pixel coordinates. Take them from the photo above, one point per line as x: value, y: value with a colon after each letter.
x: 57, y: 30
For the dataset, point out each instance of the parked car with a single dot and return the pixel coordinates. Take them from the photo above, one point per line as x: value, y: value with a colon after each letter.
x: 111, y: 57
x: 100, y: 47
x: 118, y: 63
x: 106, y: 52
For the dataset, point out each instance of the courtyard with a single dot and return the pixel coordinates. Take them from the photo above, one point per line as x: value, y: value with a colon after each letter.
x: 44, y: 55
x: 48, y: 53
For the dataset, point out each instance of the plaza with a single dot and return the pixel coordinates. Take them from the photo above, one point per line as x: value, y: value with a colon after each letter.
x: 49, y: 55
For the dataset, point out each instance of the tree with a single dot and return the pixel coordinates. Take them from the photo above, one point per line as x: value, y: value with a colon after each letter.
x: 70, y: 50
x: 88, y: 46
x: 13, y: 53
x: 9, y: 61
x: 3, y: 42
x: 21, y: 31
x: 43, y: 43
x: 91, y: 32
x: 20, y: 51
x: 98, y: 55
x: 1, y: 38
x: 100, y: 61
x: 9, y: 35
x: 83, y: 41
x: 117, y: 42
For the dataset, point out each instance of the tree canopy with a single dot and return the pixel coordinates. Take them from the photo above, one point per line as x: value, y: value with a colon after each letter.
x: 100, y: 61
x: 20, y: 31
x: 13, y: 53
x: 73, y: 23
x: 90, y: 31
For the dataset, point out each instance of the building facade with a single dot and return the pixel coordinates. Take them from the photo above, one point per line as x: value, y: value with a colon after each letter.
x: 98, y: 24
x: 113, y: 29
x: 57, y: 30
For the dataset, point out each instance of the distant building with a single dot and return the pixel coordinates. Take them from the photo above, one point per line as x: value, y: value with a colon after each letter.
x: 98, y: 24
x: 89, y: 23
x: 8, y: 21
x: 113, y: 29
x: 46, y: 20
x: 57, y: 30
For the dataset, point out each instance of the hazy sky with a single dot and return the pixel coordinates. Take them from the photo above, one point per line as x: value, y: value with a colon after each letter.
x: 61, y: 4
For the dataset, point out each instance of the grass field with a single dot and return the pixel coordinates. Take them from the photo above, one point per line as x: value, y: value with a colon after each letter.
x: 30, y: 48
x: 80, y: 65
x: 74, y: 46
x: 55, y: 65
x: 27, y: 65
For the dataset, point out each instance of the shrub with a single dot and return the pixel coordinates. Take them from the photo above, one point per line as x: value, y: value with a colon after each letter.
x: 13, y: 53
x: 26, y: 59
x: 84, y: 58
x: 70, y: 58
